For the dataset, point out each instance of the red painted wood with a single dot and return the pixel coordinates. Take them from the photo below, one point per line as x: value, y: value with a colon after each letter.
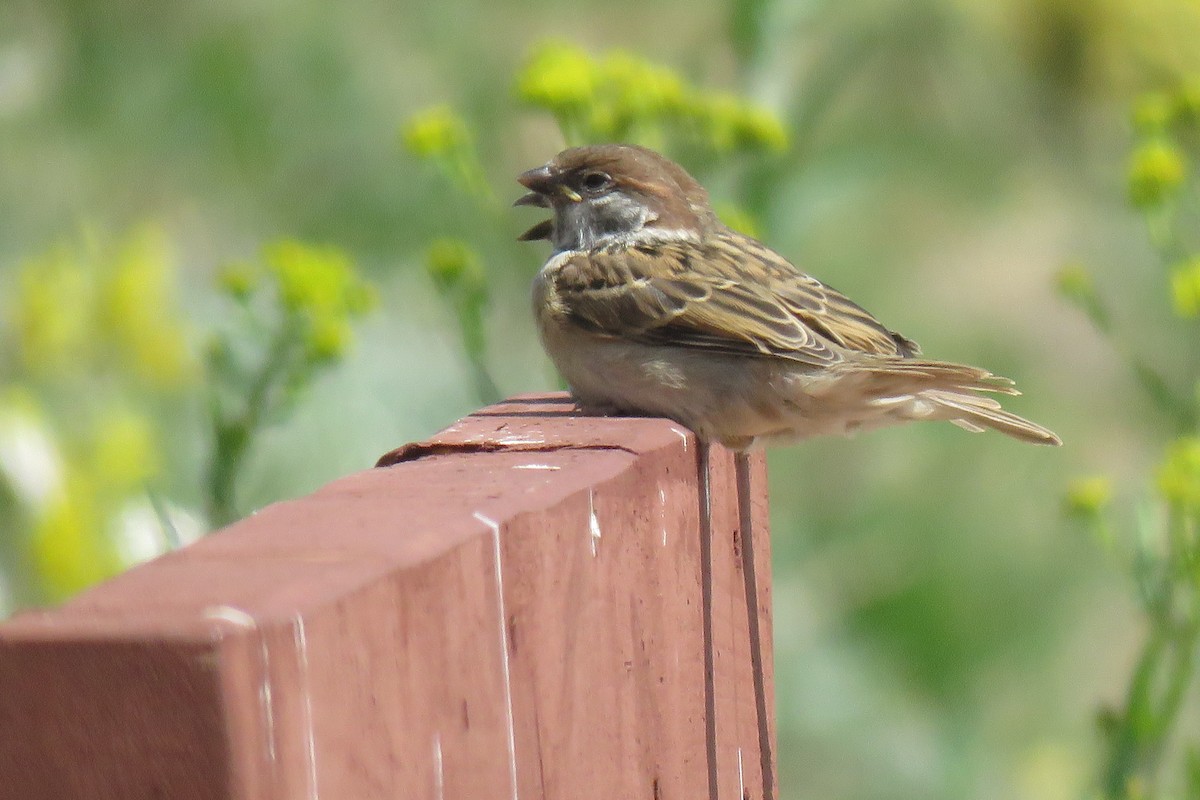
x: 510, y: 610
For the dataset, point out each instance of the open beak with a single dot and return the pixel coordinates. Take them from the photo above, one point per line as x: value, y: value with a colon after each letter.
x: 543, y: 230
x: 539, y: 179
x: 544, y: 181
x: 533, y: 199
x: 540, y: 182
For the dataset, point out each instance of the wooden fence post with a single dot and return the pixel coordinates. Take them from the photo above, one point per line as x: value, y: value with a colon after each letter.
x: 511, y: 610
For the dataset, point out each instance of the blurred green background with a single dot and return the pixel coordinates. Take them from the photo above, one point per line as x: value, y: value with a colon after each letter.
x: 942, y: 629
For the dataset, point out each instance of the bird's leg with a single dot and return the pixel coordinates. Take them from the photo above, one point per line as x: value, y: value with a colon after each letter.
x: 706, y: 604
x: 750, y: 580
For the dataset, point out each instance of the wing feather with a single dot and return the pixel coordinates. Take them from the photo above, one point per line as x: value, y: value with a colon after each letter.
x: 729, y: 294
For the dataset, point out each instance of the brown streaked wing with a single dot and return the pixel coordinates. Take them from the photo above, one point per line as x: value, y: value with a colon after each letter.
x: 832, y: 315
x: 656, y: 294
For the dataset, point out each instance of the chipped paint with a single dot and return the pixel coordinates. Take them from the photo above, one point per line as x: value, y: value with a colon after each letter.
x: 266, y: 700
x: 231, y: 614
x: 301, y: 639
x: 516, y: 439
x: 439, y: 780
x: 593, y: 522
x: 662, y: 513
x: 508, y: 705
x: 682, y: 434
x: 741, y: 777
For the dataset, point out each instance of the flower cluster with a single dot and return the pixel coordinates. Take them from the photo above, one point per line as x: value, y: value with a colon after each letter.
x: 102, y: 305
x: 441, y: 137
x: 457, y: 273
x: 1158, y: 167
x: 299, y: 307
x: 1160, y: 181
x: 1160, y: 545
x: 437, y: 132
x: 455, y: 266
x: 619, y: 96
x: 1185, y: 288
x: 1156, y: 171
x: 1179, y: 476
x: 1087, y: 497
x: 99, y: 312
x: 319, y: 294
x: 319, y: 287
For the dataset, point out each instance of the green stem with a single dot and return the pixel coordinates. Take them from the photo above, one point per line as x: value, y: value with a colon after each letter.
x: 1128, y: 741
x: 1183, y: 664
x: 827, y: 81
x: 485, y: 387
x: 1177, y: 407
x: 170, y: 533
x: 232, y: 437
x: 1171, y: 403
x: 1146, y: 726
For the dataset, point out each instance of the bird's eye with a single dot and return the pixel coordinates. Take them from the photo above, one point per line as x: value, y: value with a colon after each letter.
x: 596, y: 181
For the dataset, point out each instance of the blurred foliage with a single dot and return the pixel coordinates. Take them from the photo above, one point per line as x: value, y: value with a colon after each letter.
x: 440, y: 136
x: 937, y: 636
x: 95, y: 350
x: 1160, y: 547
x: 260, y: 368
x: 91, y: 343
x: 461, y: 280
x: 620, y: 97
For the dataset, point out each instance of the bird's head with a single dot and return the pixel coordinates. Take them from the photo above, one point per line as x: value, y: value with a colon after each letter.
x: 611, y: 193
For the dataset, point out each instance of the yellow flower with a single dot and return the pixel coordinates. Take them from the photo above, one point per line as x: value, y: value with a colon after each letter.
x: 1156, y: 170
x: 1179, y: 475
x: 83, y: 303
x: 328, y: 338
x: 1074, y: 282
x: 309, y: 278
x: 125, y: 453
x: 640, y: 89
x: 436, y: 133
x: 69, y: 547
x: 52, y: 313
x: 452, y: 262
x: 762, y: 128
x: 558, y: 77
x: 319, y: 287
x: 1088, y: 496
x: 733, y: 124
x: 1185, y: 288
x: 137, y: 309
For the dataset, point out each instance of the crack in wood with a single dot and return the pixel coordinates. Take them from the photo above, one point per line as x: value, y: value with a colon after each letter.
x: 414, y: 451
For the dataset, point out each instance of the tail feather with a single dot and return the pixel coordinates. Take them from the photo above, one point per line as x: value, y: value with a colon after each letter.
x: 978, y: 412
x: 942, y: 374
x: 943, y: 390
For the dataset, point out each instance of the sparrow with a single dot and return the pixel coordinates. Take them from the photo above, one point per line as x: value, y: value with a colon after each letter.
x: 650, y: 305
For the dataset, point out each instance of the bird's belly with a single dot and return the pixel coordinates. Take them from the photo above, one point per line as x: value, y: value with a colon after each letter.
x: 730, y: 399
